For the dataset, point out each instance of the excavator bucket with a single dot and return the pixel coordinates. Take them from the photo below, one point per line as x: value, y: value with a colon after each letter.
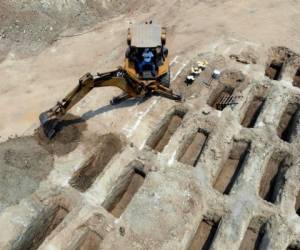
x: 49, y: 125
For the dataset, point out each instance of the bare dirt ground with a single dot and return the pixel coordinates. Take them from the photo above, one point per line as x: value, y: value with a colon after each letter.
x: 28, y: 27
x: 190, y: 188
x: 23, y: 165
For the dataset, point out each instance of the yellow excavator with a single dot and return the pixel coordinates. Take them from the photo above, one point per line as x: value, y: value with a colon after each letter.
x: 145, y: 72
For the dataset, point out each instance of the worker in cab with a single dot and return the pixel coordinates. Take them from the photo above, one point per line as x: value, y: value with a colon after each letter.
x: 147, y: 61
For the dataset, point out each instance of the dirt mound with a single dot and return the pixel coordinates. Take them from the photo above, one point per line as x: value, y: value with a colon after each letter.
x: 282, y: 54
x: 23, y: 165
x: 69, y: 133
x: 245, y: 57
x: 232, y: 78
x: 27, y: 27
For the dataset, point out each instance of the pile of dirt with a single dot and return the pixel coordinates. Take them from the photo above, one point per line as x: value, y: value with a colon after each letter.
x: 245, y: 57
x: 28, y: 26
x: 282, y: 54
x: 232, y: 78
x: 279, y: 59
x: 67, y: 138
x: 23, y: 165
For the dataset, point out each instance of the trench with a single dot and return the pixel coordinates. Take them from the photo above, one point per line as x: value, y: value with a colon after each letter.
x: 42, y: 228
x: 274, y: 70
x: 205, y: 235
x: 254, y: 235
x: 161, y: 138
x: 232, y: 167
x: 297, y: 205
x: 91, y: 241
x: 85, y: 176
x: 296, y: 80
x: 126, y: 191
x: 221, y: 100
x: 253, y: 112
x: 294, y: 247
x: 194, y: 148
x: 273, y: 179
x: 289, y: 123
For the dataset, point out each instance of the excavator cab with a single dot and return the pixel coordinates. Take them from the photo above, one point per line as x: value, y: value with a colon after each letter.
x: 147, y: 39
x: 145, y: 72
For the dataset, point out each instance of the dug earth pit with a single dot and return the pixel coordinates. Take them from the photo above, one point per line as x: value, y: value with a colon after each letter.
x: 67, y: 138
x: 108, y: 146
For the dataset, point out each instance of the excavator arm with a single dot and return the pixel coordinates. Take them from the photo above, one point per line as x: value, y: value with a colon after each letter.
x: 118, y: 78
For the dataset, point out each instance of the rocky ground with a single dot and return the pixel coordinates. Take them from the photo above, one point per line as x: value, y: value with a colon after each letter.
x: 151, y: 174
x: 28, y: 27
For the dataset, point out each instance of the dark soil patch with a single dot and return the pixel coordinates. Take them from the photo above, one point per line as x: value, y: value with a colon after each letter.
x: 91, y: 241
x: 245, y: 57
x: 254, y: 235
x: 67, y: 138
x: 205, y: 235
x: 253, y: 112
x: 296, y: 80
x: 108, y: 146
x: 269, y: 178
x: 289, y: 123
x: 232, y: 78
x: 232, y: 167
x: 297, y: 205
x: 278, y: 59
x: 130, y: 188
x: 162, y: 137
x: 23, y: 165
x: 274, y: 70
x: 47, y: 221
x: 273, y: 179
x: 294, y: 247
x: 194, y: 148
x: 170, y: 130
x: 52, y: 222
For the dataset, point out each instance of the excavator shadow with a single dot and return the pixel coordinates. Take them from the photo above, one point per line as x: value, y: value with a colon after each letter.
x: 109, y: 107
x: 93, y: 113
